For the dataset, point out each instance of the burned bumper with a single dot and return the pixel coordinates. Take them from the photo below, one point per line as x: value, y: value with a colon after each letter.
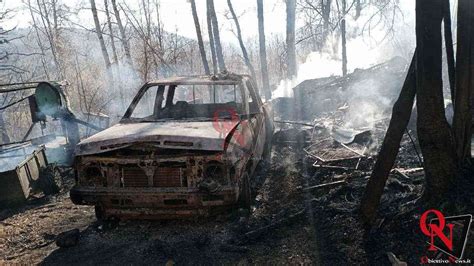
x: 153, y: 202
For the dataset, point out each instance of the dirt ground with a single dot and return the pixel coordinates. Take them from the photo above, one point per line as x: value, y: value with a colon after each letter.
x: 288, y: 224
x: 27, y: 235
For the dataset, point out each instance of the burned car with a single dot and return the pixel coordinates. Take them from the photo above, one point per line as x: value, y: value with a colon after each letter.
x: 186, y: 146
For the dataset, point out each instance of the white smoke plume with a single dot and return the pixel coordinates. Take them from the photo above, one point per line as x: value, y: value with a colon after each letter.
x: 365, y: 48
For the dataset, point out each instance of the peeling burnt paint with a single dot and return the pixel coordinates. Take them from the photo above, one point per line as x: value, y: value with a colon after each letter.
x: 199, y: 135
x: 169, y: 168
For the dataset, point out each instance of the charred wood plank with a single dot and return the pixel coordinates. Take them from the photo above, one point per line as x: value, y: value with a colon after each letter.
x: 295, y: 123
x: 335, y: 167
x: 325, y: 185
x: 343, y: 159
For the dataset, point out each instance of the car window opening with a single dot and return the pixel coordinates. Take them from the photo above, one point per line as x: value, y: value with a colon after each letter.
x: 213, y: 101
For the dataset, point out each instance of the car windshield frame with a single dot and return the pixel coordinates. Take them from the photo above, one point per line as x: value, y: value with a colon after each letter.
x: 238, y: 85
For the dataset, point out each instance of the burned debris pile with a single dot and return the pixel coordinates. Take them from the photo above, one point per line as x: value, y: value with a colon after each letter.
x: 337, y: 140
x: 337, y: 174
x: 378, y: 85
x: 337, y: 132
x: 334, y: 176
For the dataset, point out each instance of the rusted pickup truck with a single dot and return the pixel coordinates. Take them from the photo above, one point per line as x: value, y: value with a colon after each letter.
x: 186, y: 146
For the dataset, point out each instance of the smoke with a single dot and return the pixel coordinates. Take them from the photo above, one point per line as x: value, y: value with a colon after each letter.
x: 367, y: 102
x: 106, y: 91
x: 373, y: 38
x: 126, y: 83
x: 317, y: 65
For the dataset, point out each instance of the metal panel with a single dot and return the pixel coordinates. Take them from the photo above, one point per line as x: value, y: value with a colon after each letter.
x: 33, y: 169
x: 41, y: 158
x: 134, y: 177
x: 22, y: 174
x: 167, y: 177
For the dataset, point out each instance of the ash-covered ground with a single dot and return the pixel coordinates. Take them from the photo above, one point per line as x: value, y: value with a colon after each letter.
x: 278, y: 230
x: 291, y: 222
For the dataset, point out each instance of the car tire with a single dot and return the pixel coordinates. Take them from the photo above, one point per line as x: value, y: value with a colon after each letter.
x: 245, y: 196
x: 49, y: 180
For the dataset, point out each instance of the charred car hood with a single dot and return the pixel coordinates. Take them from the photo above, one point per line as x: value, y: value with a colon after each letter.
x: 192, y: 135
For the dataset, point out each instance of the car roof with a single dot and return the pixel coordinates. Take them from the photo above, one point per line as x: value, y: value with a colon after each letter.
x: 219, y: 79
